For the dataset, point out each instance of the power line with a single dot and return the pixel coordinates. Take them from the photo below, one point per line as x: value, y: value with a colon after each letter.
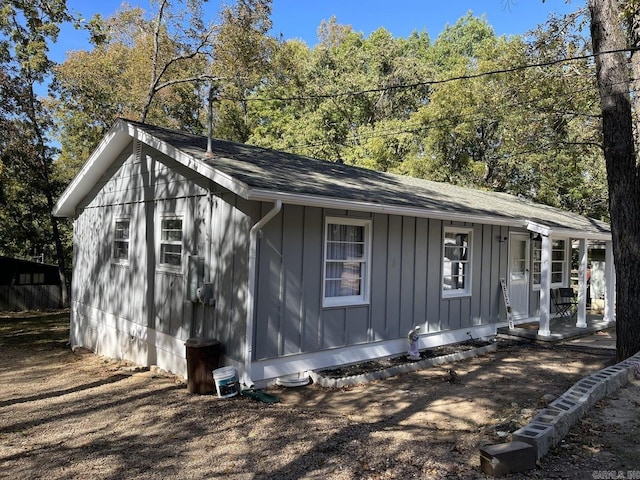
x: 413, y: 128
x: 424, y: 83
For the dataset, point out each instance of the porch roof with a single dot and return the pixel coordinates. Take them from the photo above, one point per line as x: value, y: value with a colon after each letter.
x: 257, y: 173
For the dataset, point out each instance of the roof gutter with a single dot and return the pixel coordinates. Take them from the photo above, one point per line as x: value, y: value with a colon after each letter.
x: 250, y: 301
x: 337, y: 203
x: 566, y: 232
x: 418, y: 212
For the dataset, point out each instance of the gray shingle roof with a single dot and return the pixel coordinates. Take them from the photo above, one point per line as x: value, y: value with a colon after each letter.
x: 285, y: 173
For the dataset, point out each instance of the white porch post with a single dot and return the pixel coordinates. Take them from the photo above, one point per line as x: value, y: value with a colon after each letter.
x: 609, y: 284
x: 582, y: 284
x: 545, y: 284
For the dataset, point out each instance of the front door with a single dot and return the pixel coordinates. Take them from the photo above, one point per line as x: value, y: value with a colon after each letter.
x: 519, y: 275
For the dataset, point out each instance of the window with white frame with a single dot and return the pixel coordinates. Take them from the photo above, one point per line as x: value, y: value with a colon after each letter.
x: 456, y: 262
x: 346, y: 261
x: 171, y: 242
x: 558, y: 262
x: 121, y: 240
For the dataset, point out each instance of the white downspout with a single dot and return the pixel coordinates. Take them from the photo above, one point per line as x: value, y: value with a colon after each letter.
x: 250, y: 302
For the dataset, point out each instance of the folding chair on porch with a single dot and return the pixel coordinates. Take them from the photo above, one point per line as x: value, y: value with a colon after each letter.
x: 565, y: 302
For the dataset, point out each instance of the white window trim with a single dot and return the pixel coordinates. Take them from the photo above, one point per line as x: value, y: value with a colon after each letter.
x: 457, y: 293
x: 120, y: 261
x: 565, y: 264
x: 165, y: 267
x: 364, y: 297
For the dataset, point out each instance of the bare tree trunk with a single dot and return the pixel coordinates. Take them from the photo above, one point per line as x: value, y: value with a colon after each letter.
x: 607, y: 35
x: 43, y: 164
x: 634, y: 37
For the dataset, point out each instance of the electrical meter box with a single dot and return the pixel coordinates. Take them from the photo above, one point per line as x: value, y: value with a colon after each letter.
x: 196, y: 277
x: 199, y: 291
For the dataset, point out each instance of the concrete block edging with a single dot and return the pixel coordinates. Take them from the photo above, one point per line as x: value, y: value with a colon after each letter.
x: 349, y: 381
x: 550, y: 425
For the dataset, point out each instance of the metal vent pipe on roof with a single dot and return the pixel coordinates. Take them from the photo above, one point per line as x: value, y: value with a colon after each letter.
x: 210, y: 121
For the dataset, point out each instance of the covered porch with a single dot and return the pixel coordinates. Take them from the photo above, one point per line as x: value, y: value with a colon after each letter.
x: 546, y: 324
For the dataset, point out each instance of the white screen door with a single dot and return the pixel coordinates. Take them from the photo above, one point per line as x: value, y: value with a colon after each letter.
x: 519, y: 275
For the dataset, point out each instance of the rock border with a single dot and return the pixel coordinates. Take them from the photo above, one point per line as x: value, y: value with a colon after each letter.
x: 352, y: 380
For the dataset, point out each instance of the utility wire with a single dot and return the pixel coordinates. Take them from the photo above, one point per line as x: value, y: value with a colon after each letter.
x: 411, y: 128
x: 425, y: 83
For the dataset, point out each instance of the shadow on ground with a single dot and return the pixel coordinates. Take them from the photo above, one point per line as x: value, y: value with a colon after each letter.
x: 77, y: 415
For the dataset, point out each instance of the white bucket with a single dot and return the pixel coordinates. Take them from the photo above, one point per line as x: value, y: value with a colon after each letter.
x: 226, y: 382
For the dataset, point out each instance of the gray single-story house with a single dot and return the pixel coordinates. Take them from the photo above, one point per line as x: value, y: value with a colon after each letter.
x: 296, y: 264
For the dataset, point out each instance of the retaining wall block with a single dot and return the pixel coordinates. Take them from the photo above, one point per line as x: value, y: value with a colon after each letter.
x: 577, y: 395
x: 551, y: 424
x: 631, y: 364
x: 572, y: 408
x: 634, y: 371
x: 617, y: 377
x: 586, y: 395
x: 541, y: 436
x: 612, y: 379
x: 556, y: 418
x: 597, y: 387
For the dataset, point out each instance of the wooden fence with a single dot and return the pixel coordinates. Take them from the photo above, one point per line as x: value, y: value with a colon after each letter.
x: 30, y: 297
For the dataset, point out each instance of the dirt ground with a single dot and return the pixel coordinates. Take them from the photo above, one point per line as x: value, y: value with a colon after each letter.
x: 75, y: 415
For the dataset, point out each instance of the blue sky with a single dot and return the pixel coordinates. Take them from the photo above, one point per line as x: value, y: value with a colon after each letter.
x: 301, y: 18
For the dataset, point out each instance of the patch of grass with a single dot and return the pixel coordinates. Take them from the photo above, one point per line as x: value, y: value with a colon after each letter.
x: 34, y: 329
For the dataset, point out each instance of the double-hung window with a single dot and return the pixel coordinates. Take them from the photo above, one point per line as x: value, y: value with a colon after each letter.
x: 346, y: 261
x: 558, y: 262
x: 171, y: 242
x: 121, y: 240
x: 456, y: 262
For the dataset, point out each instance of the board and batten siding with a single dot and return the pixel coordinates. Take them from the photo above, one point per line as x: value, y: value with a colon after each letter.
x: 406, y: 282
x: 134, y: 309
x: 231, y: 220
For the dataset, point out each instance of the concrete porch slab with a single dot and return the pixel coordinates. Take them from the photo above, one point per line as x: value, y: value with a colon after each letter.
x: 562, y: 331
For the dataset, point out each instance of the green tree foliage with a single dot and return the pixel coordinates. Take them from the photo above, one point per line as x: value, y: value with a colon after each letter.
x: 241, y: 60
x: 164, y: 63
x: 562, y: 132
x: 439, y: 110
x: 461, y: 122
x: 338, y: 100
x: 28, y: 186
x: 511, y: 114
x: 408, y: 105
x: 160, y: 64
